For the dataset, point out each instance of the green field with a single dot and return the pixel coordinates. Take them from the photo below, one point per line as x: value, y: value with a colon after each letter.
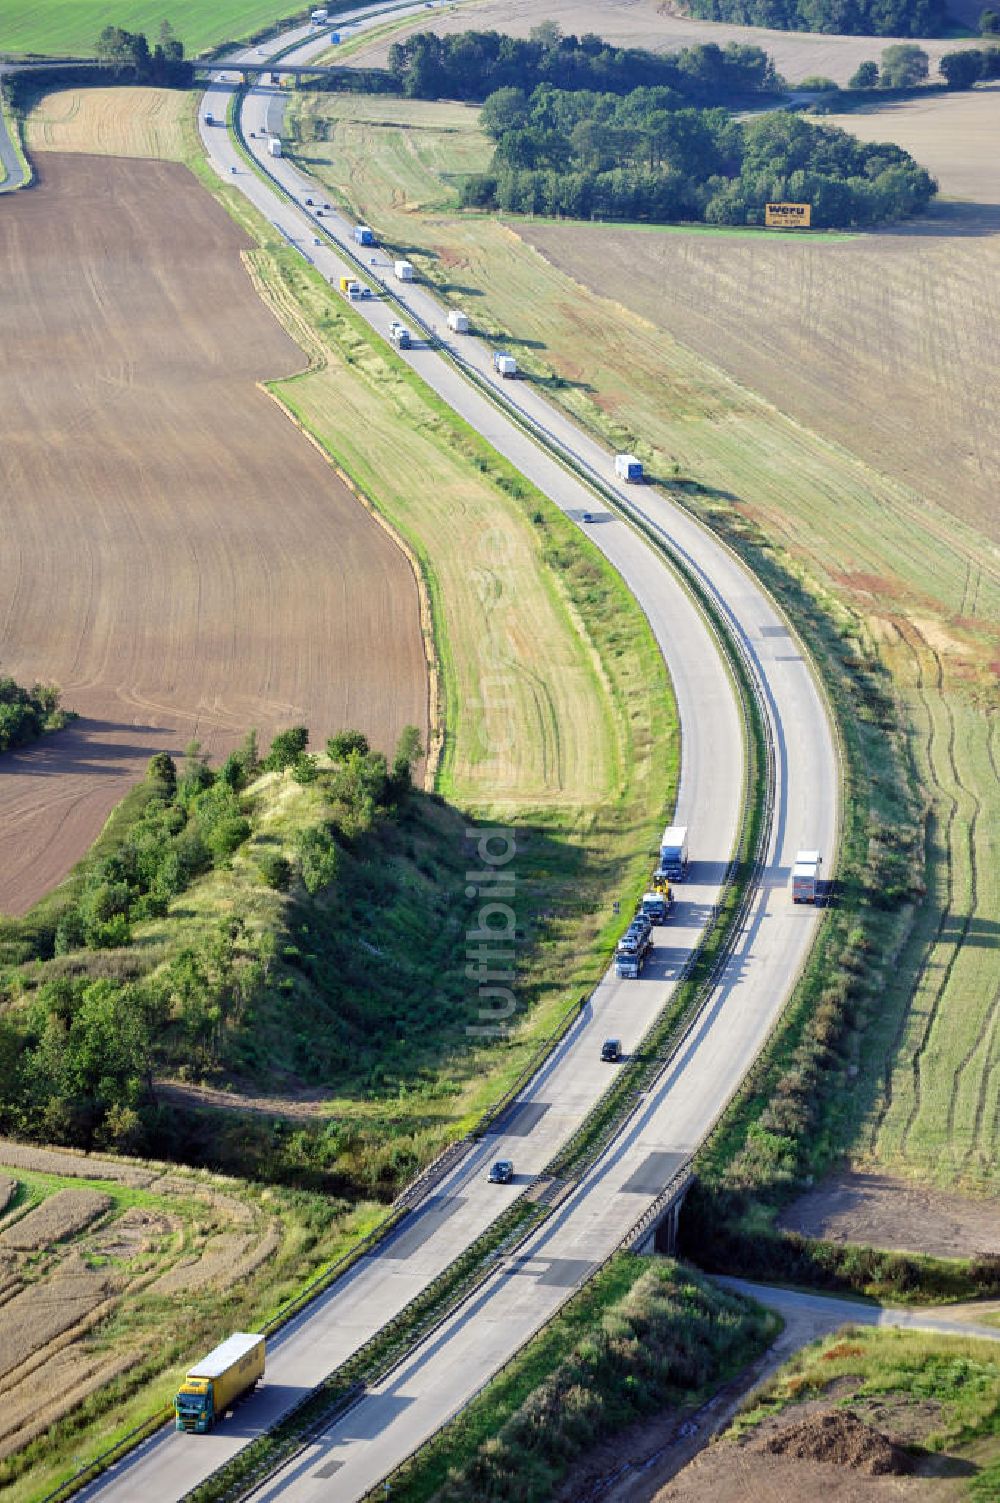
x: 922, y: 585
x: 62, y: 28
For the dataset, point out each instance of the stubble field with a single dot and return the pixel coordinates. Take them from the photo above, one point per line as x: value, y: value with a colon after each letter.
x: 648, y: 23
x: 838, y: 393
x: 177, y: 557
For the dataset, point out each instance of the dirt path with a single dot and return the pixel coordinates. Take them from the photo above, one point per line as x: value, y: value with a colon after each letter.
x: 880, y: 1211
x: 176, y: 556
x: 307, y: 1106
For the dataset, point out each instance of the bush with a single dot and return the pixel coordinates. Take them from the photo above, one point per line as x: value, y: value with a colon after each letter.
x: 962, y: 69
x: 286, y: 748
x: 276, y: 870
x: 903, y: 65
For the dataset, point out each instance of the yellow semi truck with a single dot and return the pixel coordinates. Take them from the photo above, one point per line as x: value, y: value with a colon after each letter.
x: 217, y: 1381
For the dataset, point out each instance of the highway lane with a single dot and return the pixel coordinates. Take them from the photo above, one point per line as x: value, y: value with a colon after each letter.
x: 462, y: 1205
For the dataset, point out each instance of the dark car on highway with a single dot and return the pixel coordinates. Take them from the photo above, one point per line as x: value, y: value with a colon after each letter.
x: 611, y: 1050
x: 502, y: 1172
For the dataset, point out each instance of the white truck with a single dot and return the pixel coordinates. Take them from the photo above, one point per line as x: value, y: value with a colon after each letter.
x: 319, y: 16
x: 404, y: 271
x: 627, y: 467
x: 458, y: 322
x: 400, y: 335
x: 505, y: 365
x: 805, y: 876
x: 656, y: 906
x: 274, y: 146
x: 674, y: 853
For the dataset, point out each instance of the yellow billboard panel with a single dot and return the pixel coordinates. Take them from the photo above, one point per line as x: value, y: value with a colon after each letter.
x: 788, y: 216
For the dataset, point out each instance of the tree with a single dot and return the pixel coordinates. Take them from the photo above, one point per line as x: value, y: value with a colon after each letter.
x: 505, y: 110
x: 548, y: 33
x: 286, y: 748
x: 989, y: 23
x: 903, y: 65
x: 864, y: 77
x: 339, y: 747
x: 163, y: 769
x: 409, y: 750
x: 962, y: 69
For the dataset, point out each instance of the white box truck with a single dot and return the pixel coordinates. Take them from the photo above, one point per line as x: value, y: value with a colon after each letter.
x: 274, y: 146
x: 459, y: 322
x: 627, y: 467
x: 674, y: 853
x: 505, y: 365
x: 805, y: 876
x: 319, y: 16
x: 404, y: 271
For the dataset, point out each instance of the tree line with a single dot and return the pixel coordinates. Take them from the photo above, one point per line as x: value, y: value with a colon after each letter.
x: 83, y: 1033
x: 881, y: 18
x: 473, y: 64
x: 586, y: 155
x: 128, y: 54
x: 26, y: 714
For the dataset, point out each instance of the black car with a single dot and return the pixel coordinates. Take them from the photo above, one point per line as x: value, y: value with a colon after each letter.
x: 502, y: 1172
x: 611, y: 1050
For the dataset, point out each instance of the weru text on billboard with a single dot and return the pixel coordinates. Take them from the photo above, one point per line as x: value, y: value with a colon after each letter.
x: 788, y: 216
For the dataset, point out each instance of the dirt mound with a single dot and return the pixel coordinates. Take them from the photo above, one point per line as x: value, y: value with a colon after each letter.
x: 840, y: 1438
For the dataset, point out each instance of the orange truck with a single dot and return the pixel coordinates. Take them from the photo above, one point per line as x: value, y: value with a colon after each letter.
x: 215, y: 1383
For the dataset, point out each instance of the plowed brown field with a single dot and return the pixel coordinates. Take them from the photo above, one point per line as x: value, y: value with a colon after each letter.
x: 175, y: 554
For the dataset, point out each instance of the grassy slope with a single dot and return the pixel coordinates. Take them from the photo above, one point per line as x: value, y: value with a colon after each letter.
x: 61, y: 28
x: 905, y: 570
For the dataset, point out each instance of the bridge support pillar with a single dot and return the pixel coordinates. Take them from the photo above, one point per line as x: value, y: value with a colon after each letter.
x: 661, y: 1234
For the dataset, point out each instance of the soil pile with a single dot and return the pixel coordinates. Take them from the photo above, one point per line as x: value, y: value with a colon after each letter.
x: 840, y: 1438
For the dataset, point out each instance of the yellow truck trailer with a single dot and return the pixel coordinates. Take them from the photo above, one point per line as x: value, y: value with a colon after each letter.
x: 217, y: 1381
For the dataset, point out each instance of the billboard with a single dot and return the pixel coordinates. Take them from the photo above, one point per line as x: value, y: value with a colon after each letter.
x: 788, y: 216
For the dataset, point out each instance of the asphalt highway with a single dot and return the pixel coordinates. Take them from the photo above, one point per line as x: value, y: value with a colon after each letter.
x: 441, y: 1375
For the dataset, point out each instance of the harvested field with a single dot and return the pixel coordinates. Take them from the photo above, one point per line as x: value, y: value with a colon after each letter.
x: 122, y: 122
x: 56, y: 1220
x: 179, y: 559
x: 885, y: 1212
x: 954, y: 136
x: 43, y: 1312
x: 648, y: 23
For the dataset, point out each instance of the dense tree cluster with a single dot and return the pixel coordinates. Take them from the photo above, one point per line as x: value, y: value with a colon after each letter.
x: 129, y: 54
x: 474, y: 64
x: 82, y: 1033
x: 971, y: 66
x: 605, y: 156
x: 26, y: 714
x: 880, y: 18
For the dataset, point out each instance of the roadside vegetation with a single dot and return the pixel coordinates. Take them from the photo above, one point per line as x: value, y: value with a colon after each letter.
x: 28, y: 714
x: 643, y: 1337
